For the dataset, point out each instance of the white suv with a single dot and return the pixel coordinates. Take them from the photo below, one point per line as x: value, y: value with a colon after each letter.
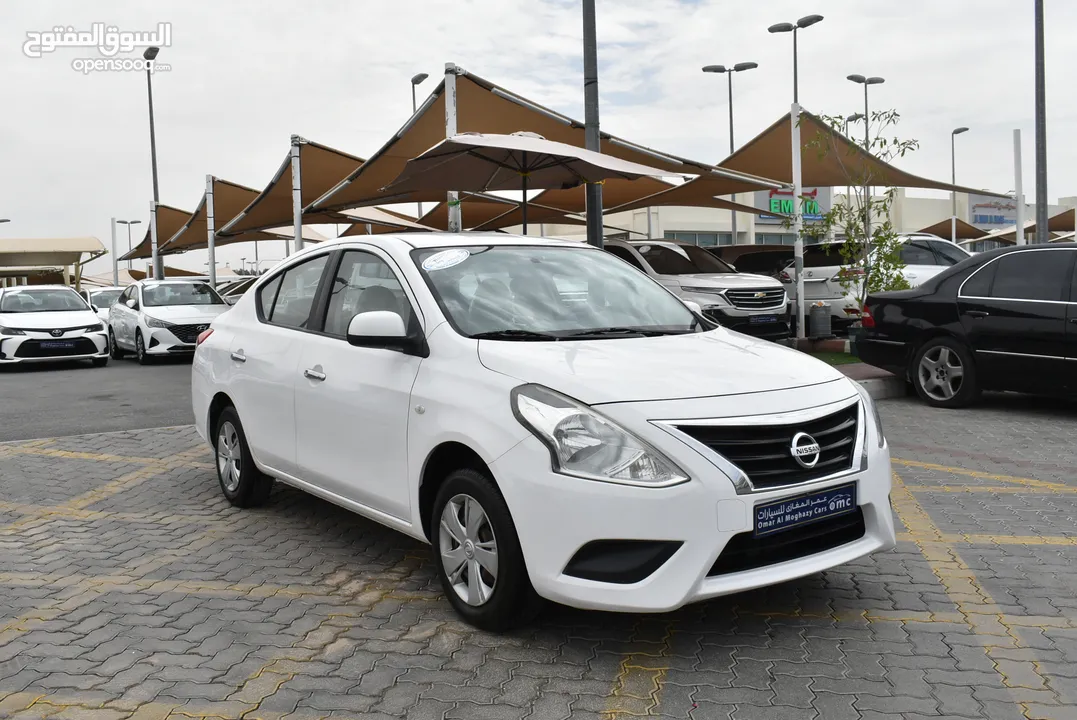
x: 551, y: 420
x: 924, y: 256
x: 752, y: 304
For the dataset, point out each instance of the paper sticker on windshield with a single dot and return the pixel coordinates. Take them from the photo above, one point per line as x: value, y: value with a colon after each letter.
x: 445, y: 259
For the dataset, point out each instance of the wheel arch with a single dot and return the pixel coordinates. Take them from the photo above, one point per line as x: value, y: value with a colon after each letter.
x: 440, y: 462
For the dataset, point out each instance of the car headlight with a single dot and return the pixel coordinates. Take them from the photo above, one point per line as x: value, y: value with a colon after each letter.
x: 11, y: 331
x: 585, y: 444
x: 95, y: 328
x: 870, y: 408
x: 155, y: 323
x: 702, y: 290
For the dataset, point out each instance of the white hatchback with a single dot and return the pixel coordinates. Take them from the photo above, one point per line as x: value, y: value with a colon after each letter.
x: 155, y: 318
x: 41, y: 323
x: 554, y: 422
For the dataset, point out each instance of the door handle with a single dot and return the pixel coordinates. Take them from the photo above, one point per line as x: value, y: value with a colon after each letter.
x: 977, y: 313
x: 313, y: 374
x: 1073, y: 320
x: 239, y: 356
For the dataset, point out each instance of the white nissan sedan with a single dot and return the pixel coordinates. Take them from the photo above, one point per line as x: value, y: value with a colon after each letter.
x: 154, y: 318
x: 554, y: 422
x: 41, y: 323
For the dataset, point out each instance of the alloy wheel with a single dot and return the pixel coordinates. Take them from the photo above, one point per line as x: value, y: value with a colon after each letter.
x: 229, y: 457
x: 468, y: 550
x: 941, y: 373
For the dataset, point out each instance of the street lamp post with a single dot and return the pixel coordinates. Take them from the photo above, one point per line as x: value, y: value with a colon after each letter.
x: 592, y: 132
x: 415, y: 81
x: 953, y: 181
x: 798, y: 190
x: 866, y: 82
x: 150, y: 55
x: 130, y: 247
x: 739, y: 67
x: 1042, y: 235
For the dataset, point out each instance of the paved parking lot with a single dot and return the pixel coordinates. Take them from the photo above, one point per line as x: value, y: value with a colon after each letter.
x: 130, y: 588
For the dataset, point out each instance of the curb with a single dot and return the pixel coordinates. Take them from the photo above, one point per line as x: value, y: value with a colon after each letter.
x: 883, y: 388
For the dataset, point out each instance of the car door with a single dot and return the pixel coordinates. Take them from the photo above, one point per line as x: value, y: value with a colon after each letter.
x: 264, y: 357
x: 352, y: 404
x: 919, y: 261
x: 1014, y: 313
x: 124, y: 323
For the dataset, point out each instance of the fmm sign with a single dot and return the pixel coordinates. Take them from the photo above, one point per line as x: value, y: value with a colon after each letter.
x: 779, y: 204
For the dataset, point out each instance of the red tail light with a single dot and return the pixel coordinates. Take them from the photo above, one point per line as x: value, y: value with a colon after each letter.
x: 202, y: 336
x: 783, y: 276
x: 867, y: 319
x: 847, y: 273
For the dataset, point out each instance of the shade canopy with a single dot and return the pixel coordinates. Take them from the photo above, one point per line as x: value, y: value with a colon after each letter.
x: 169, y: 221
x: 321, y: 168
x: 486, y: 108
x: 965, y: 231
x: 1062, y: 222
x: 48, y: 252
x: 229, y: 199
x: 382, y: 219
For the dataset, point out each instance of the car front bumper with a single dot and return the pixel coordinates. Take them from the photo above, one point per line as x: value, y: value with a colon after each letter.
x: 161, y: 341
x: 742, y: 321
x: 35, y: 347
x: 557, y: 516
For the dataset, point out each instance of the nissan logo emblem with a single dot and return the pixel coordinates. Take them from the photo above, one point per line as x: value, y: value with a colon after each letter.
x: 56, y: 333
x: 804, y: 450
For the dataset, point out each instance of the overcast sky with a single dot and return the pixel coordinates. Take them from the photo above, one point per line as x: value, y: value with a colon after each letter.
x: 247, y: 75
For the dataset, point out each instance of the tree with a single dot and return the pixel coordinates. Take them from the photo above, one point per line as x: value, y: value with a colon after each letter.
x: 876, y: 264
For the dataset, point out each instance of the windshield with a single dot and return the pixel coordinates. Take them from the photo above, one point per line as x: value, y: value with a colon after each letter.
x: 528, y: 292
x: 681, y: 260
x: 44, y: 300
x: 179, y: 293
x: 105, y: 298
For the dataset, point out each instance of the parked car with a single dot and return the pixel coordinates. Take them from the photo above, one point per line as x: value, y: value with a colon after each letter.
x: 553, y: 421
x: 751, y: 304
x: 162, y: 317
x: 40, y: 323
x: 1001, y: 320
x: 767, y: 260
x: 101, y: 299
x: 924, y: 257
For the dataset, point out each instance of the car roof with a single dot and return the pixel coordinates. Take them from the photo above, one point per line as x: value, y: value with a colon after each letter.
x: 40, y: 287
x: 422, y: 240
x: 172, y: 280
x: 106, y: 287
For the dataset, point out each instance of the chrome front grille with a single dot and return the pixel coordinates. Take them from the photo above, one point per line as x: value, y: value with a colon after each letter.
x: 757, y: 299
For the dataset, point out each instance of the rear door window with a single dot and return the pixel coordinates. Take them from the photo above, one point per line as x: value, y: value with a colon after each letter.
x: 916, y: 252
x: 1033, y: 275
x: 295, y: 296
x: 948, y: 253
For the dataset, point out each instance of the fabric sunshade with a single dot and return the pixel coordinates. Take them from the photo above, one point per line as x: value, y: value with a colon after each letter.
x: 229, y: 199
x: 380, y: 220
x: 965, y: 231
x: 486, y: 108
x: 321, y: 168
x: 48, y: 252
x: 483, y: 211
x: 169, y: 222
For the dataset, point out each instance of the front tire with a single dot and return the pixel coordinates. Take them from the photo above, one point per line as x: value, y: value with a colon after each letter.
x: 944, y: 375
x: 242, y: 483
x: 140, y: 349
x: 114, y: 350
x: 477, y: 554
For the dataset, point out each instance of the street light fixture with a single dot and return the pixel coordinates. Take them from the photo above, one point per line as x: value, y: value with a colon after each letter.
x: 867, y: 81
x: 806, y: 21
x: 416, y: 80
x: 739, y: 67
x: 4, y: 220
x: 953, y: 181
x: 129, y: 223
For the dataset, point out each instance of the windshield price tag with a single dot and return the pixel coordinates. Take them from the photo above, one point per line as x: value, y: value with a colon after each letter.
x: 446, y: 259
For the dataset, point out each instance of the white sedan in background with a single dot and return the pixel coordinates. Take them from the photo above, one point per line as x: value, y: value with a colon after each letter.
x: 102, y: 299
x: 155, y: 318
x: 41, y: 323
x: 556, y: 423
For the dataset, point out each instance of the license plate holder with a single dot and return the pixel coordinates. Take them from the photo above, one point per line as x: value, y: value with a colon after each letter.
x: 793, y: 512
x: 762, y: 319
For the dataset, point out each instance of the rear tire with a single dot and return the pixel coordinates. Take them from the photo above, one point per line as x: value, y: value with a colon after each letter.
x: 242, y: 483
x: 944, y: 374
x: 114, y: 350
x: 479, y: 561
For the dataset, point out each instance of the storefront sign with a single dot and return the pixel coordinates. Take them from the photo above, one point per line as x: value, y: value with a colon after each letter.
x: 778, y: 204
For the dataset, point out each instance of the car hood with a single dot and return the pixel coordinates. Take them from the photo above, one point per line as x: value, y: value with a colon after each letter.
x: 185, y: 313
x: 49, y: 320
x: 726, y: 280
x: 667, y: 367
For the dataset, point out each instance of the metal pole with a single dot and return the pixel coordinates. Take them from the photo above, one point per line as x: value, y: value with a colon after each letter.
x: 1018, y: 192
x: 867, y: 180
x: 523, y: 183
x: 732, y: 212
x: 650, y: 234
x: 1041, y: 131
x: 211, y: 233
x: 256, y: 264
x: 798, y: 218
x: 115, y: 262
x: 953, y: 193
x: 158, y: 263
x: 796, y: 89
x: 452, y: 199
x: 414, y: 109
x: 153, y: 239
x: 297, y: 197
x: 130, y: 247
x: 593, y: 136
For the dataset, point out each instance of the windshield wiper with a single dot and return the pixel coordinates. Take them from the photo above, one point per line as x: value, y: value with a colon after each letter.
x: 622, y: 332
x: 510, y: 334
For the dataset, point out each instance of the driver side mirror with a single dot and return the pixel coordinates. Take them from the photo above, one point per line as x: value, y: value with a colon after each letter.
x: 94, y: 308
x: 385, y: 329
x: 132, y: 303
x: 693, y: 306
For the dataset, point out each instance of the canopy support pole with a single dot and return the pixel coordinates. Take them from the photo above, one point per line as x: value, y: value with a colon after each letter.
x: 452, y: 199
x: 297, y: 199
x: 650, y: 234
x: 153, y: 240
x: 798, y: 218
x: 115, y: 262
x: 523, y: 184
x: 211, y: 233
x: 1018, y: 192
